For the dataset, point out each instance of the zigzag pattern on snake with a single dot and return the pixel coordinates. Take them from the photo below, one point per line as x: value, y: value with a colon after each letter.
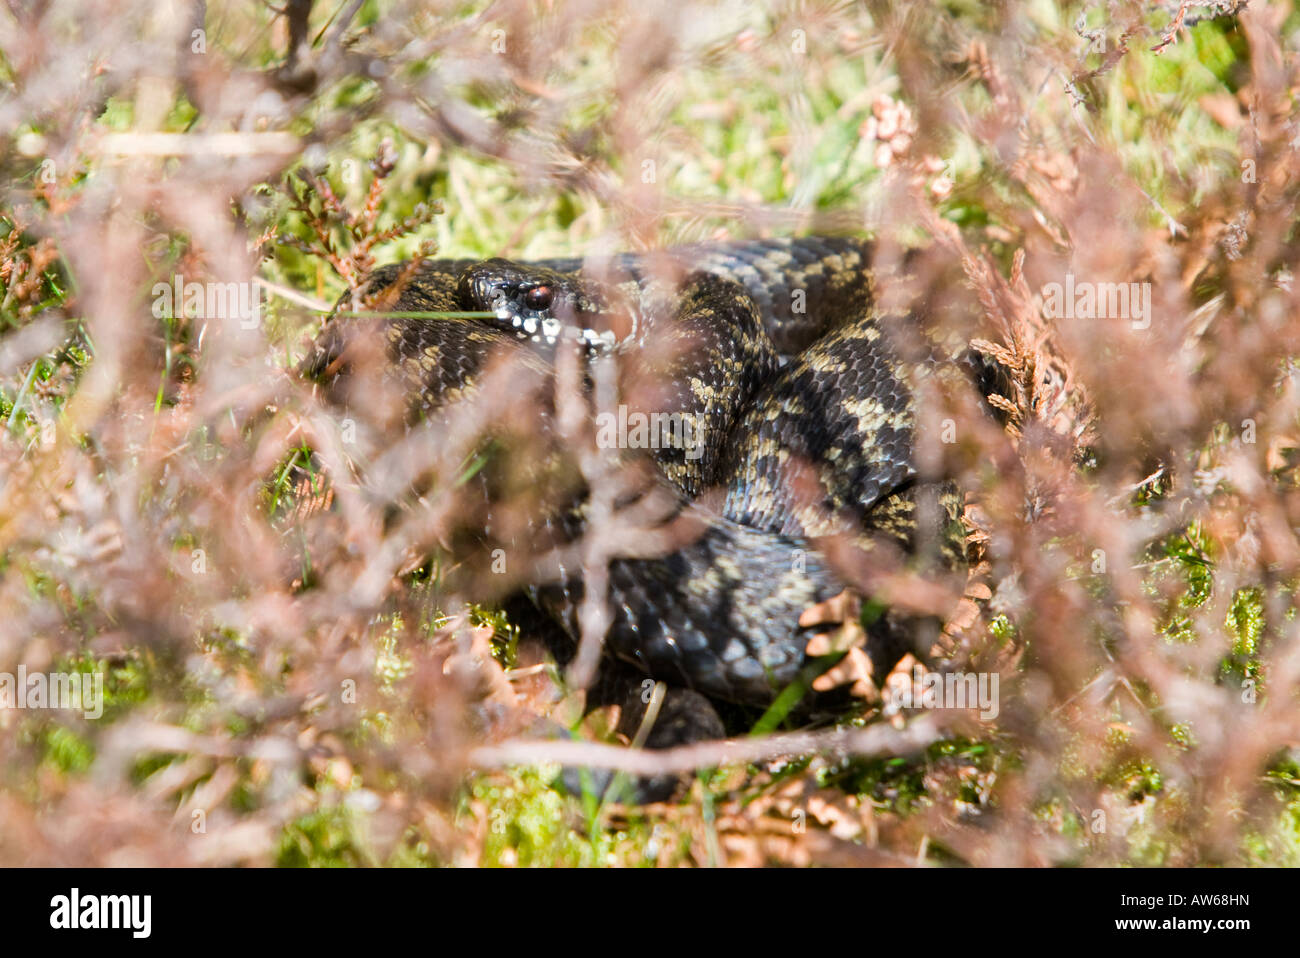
x: 796, y: 415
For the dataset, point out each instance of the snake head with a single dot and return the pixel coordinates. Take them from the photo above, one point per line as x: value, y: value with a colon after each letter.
x: 535, y: 303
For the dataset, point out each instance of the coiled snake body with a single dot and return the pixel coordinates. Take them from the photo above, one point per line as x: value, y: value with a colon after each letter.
x: 801, y: 427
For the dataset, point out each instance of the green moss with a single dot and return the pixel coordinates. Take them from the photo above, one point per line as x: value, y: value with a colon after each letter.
x: 1246, y: 621
x: 531, y: 824
x: 899, y: 784
x: 321, y: 839
x: 65, y: 749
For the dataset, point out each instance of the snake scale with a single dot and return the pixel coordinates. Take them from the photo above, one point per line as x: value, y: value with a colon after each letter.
x: 801, y: 416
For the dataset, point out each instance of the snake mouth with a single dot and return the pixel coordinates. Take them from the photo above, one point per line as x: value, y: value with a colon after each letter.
x: 502, y: 288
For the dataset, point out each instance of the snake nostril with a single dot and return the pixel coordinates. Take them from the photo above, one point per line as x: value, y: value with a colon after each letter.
x: 487, y: 295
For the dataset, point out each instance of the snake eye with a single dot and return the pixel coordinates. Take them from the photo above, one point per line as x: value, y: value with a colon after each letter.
x: 538, y: 298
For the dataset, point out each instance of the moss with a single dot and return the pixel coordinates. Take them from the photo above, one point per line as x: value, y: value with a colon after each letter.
x: 321, y: 839
x: 530, y: 824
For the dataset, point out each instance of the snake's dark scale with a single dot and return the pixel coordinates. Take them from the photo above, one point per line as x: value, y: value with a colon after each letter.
x: 790, y: 373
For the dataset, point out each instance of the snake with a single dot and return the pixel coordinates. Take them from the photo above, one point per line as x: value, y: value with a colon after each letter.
x: 794, y: 389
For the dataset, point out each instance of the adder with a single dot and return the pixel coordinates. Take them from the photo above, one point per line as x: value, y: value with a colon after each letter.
x: 794, y: 392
